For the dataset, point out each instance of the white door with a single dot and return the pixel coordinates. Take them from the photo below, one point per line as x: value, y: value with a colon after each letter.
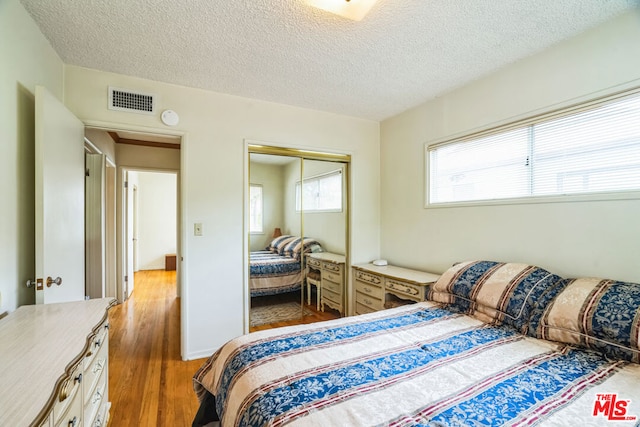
x: 59, y: 189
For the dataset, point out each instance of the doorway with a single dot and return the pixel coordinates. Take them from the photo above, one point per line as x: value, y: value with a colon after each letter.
x: 130, y: 150
x: 151, y: 198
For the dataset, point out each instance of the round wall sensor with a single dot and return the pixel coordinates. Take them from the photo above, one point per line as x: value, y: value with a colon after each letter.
x: 170, y: 117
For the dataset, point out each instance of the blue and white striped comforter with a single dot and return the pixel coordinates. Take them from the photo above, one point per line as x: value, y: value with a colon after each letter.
x: 417, y: 365
x: 272, y: 274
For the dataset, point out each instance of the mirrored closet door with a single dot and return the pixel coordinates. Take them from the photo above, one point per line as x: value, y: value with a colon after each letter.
x: 298, y: 236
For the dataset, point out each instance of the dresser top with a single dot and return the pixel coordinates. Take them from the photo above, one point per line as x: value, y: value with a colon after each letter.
x: 391, y: 271
x: 37, y: 345
x: 328, y: 256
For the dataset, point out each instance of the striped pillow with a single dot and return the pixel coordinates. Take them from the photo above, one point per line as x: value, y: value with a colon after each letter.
x: 494, y: 292
x: 297, y: 246
x: 279, y: 243
x: 602, y: 315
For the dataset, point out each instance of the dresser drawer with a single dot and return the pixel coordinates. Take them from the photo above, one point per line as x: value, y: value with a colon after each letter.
x: 415, y: 292
x: 363, y: 276
x: 369, y: 289
x: 68, y: 404
x: 331, y: 286
x: 312, y: 262
x: 332, y: 267
x: 331, y: 295
x: 96, y: 402
x: 103, y: 416
x: 95, y: 369
x: 369, y: 301
x: 332, y: 276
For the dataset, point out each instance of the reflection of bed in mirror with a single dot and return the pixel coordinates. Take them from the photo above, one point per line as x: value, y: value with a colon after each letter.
x: 278, y: 268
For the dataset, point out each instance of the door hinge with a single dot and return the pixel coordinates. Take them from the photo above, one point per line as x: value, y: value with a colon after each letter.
x: 126, y: 278
x: 87, y: 173
x: 126, y: 184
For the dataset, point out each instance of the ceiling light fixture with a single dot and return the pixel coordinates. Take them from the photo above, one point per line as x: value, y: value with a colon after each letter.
x: 350, y: 9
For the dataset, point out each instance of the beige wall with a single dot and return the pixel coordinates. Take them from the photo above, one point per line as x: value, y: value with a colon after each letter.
x: 270, y: 177
x: 326, y: 227
x: 573, y: 239
x: 27, y: 60
x: 213, y: 177
x: 103, y: 141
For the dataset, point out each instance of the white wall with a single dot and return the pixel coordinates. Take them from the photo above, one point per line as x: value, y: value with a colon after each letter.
x: 270, y: 177
x: 27, y: 60
x: 571, y: 239
x: 157, y: 209
x: 213, y: 179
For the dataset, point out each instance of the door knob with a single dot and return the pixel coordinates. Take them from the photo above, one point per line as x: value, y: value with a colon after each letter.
x: 37, y: 283
x: 57, y: 281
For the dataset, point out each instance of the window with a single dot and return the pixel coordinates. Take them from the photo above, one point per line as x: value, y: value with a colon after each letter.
x: 595, y: 149
x: 321, y: 193
x: 255, y: 208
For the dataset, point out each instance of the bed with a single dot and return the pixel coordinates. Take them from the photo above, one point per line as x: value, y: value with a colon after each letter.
x: 278, y: 268
x: 499, y: 344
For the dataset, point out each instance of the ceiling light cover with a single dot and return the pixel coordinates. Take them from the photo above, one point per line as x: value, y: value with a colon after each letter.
x: 352, y: 9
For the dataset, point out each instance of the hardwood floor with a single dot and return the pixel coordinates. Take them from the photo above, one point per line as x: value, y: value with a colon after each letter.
x: 149, y: 383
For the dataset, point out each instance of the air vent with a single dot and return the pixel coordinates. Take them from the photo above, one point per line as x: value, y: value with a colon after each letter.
x: 132, y: 101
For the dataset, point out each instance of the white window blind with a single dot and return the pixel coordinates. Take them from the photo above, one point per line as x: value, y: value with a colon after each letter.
x: 255, y: 208
x: 320, y: 193
x: 592, y: 151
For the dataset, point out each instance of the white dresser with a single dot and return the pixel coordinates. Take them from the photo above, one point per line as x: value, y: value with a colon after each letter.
x: 54, y: 365
x: 331, y: 267
x: 374, y: 284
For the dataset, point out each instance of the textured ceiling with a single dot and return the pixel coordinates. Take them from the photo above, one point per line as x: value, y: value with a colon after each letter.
x: 401, y: 54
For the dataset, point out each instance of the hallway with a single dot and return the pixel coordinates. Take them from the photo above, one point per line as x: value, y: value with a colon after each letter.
x: 149, y: 384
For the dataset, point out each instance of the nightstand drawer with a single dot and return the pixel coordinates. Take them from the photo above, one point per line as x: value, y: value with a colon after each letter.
x: 416, y: 292
x: 369, y: 289
x: 363, y: 276
x: 363, y: 309
x: 369, y: 301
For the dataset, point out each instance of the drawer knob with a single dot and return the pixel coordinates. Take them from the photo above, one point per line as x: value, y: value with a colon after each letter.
x: 73, y: 422
x: 367, y: 290
x: 97, y: 397
x: 98, y: 343
x: 78, y: 379
x: 368, y: 301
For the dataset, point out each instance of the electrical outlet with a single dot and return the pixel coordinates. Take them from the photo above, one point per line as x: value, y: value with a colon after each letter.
x: 197, y: 229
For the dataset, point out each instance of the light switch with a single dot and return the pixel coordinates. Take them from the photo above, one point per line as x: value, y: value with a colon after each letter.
x: 197, y: 229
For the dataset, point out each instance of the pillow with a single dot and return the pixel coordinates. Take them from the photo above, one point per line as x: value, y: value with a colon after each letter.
x: 602, y: 315
x: 273, y: 246
x: 278, y: 248
x: 297, y: 246
x: 494, y: 292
